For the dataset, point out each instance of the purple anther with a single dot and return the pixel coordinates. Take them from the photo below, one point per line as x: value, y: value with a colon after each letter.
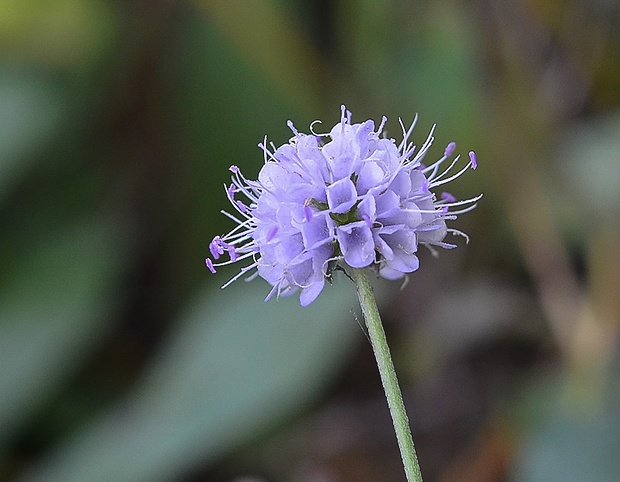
x: 234, y: 169
x: 473, y: 159
x: 216, y: 248
x: 231, y: 190
x: 449, y: 149
x: 242, y: 207
x: 209, y: 264
x: 446, y: 196
x: 231, y: 252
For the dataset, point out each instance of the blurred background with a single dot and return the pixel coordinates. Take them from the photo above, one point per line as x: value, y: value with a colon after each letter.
x: 122, y: 360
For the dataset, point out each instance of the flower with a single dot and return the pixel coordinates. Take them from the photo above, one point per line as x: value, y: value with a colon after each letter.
x: 347, y: 198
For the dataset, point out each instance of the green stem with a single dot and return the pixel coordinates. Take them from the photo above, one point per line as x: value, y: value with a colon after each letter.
x: 388, y: 375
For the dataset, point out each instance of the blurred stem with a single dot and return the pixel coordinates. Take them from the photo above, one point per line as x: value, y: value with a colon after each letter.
x: 388, y: 375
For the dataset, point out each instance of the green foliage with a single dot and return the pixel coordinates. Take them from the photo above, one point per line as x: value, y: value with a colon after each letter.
x: 233, y: 367
x: 568, y: 440
x: 55, y: 309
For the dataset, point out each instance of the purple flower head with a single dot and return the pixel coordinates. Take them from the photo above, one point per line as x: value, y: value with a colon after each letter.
x: 351, y: 197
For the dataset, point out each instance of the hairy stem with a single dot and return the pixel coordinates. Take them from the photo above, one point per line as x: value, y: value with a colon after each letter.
x: 388, y: 375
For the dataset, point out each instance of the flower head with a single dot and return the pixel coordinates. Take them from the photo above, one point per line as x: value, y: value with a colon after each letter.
x: 347, y: 198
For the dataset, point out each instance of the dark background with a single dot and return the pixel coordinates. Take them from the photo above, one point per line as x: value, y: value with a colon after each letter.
x: 120, y: 357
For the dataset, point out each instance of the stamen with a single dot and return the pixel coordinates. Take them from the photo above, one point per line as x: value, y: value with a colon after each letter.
x: 463, y: 211
x: 456, y: 232
x: 434, y: 182
x: 267, y: 155
x: 232, y: 253
x: 312, y: 129
x: 349, y: 117
x: 382, y: 125
x: 242, y: 207
x: 433, y: 176
x: 473, y: 159
x: 209, y: 264
x: 449, y: 149
x: 446, y: 196
x: 215, y: 247
x: 239, y: 275
x: 290, y: 125
x: 427, y: 144
x: 407, y: 132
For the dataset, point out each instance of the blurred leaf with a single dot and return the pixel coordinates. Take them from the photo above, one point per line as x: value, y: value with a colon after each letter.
x: 53, y: 305
x: 29, y: 114
x: 412, y: 58
x: 570, y: 443
x: 235, y: 367
x: 267, y: 37
x: 590, y: 160
x: 63, y: 32
x: 488, y: 310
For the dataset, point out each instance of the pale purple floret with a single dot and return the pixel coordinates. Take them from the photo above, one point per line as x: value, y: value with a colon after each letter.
x: 347, y: 198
